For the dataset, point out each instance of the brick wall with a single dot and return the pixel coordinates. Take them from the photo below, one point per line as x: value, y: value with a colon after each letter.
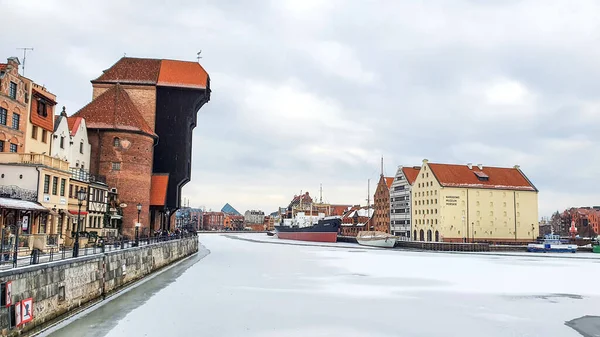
x: 13, y: 106
x: 133, y: 180
x: 381, y: 217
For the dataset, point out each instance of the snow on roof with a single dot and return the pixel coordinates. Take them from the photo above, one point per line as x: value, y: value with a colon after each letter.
x: 21, y: 204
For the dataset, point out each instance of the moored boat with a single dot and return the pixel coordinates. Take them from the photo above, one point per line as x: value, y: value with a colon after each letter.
x: 309, y: 228
x: 552, y: 244
x: 376, y: 239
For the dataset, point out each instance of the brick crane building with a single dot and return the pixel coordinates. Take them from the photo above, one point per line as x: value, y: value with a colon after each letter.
x: 140, y: 123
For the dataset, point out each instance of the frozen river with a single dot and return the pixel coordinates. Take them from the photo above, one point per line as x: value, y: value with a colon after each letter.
x: 244, y: 288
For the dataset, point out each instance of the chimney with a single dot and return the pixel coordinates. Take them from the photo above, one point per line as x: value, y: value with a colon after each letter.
x: 480, y: 166
x: 470, y: 165
x: 13, y: 62
x: 517, y: 167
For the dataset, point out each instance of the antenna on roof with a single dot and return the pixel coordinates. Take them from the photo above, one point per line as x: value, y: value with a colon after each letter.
x: 124, y: 54
x: 25, y: 50
x: 382, y: 165
x: 198, y: 57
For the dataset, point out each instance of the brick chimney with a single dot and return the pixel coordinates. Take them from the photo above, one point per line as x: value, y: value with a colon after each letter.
x: 13, y: 62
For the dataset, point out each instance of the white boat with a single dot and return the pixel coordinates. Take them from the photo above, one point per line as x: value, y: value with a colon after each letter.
x: 376, y: 239
x: 551, y: 244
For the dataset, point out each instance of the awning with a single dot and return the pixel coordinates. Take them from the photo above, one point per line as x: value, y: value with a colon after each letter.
x: 75, y: 212
x: 8, y: 203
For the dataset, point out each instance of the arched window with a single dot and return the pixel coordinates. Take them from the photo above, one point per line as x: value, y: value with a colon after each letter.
x: 116, y: 142
x: 429, y: 235
x: 437, y: 236
x: 421, y: 235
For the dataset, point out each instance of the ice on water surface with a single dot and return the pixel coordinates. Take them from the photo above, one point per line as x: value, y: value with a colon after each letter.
x: 247, y: 288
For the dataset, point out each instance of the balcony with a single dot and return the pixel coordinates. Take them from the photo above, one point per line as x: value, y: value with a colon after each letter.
x: 83, y: 175
x: 33, y: 159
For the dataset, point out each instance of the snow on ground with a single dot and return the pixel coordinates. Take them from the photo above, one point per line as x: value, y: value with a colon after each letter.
x: 247, y: 288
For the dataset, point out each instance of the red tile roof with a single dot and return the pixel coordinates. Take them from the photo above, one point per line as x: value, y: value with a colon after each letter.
x: 131, y: 70
x: 158, y: 189
x: 168, y: 73
x: 182, y: 74
x: 339, y: 209
x: 73, y: 123
x: 499, y: 178
x: 389, y: 181
x: 411, y: 173
x: 114, y: 110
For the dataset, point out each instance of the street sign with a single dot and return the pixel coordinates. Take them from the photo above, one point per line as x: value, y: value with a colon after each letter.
x: 26, y: 310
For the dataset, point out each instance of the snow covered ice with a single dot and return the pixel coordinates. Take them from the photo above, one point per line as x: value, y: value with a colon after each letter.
x: 244, y: 288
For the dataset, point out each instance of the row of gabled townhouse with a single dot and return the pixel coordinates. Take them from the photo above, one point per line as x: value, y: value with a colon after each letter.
x: 44, y: 162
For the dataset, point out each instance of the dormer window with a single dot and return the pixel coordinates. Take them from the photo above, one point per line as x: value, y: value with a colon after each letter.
x: 481, y: 176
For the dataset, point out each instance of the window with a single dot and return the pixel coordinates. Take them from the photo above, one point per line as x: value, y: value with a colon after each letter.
x: 3, y: 114
x: 81, y: 147
x: 34, y: 132
x: 1, y: 146
x: 44, y: 135
x: 13, y: 90
x: 63, y: 183
x: 116, y: 141
x: 46, y: 184
x: 54, y: 185
x: 15, y: 121
x: 13, y: 147
x: 42, y: 109
x: 116, y: 166
x: 70, y: 191
x: 62, y: 142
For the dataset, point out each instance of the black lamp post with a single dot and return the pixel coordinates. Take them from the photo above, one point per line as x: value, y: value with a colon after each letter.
x: 137, y: 226
x: 80, y: 197
x: 167, y: 223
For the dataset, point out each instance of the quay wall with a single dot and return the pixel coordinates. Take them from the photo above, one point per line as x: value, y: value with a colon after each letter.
x: 60, y: 287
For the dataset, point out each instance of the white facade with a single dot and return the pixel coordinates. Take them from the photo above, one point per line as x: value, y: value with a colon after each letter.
x: 72, y: 144
x: 400, y: 214
x: 254, y: 217
x: 25, y: 177
x: 60, y: 147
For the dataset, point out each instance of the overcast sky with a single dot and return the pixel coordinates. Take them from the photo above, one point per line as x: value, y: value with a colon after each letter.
x: 308, y: 92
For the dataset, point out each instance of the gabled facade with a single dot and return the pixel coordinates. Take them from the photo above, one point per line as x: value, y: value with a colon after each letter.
x: 458, y: 203
x: 60, y: 147
x: 400, y: 200
x: 14, y: 102
x: 381, y: 218
x: 39, y: 124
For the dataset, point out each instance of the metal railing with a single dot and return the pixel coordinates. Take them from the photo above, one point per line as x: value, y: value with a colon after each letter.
x: 26, y: 256
x: 34, y: 158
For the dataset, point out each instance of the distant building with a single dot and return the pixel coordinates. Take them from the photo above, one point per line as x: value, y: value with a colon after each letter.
x: 230, y: 210
x: 356, y: 219
x: 253, y: 217
x: 473, y: 203
x: 586, y: 219
x: 381, y: 218
x: 189, y: 218
x: 213, y: 221
x: 233, y: 222
x: 400, y: 200
x: 300, y: 203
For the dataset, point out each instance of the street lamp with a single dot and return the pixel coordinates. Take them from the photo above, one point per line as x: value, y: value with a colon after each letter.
x: 167, y: 224
x: 80, y: 197
x: 137, y: 225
